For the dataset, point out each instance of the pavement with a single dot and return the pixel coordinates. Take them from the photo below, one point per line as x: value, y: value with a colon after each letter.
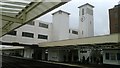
x: 18, y: 62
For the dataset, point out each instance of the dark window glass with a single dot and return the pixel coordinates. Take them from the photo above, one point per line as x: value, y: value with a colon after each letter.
x: 118, y: 56
x: 82, y: 11
x: 69, y: 30
x: 43, y: 25
x: 26, y: 34
x: 42, y: 36
x: 31, y: 23
x: 12, y: 33
x: 107, y: 56
x: 113, y: 56
x: 82, y: 32
x: 83, y: 51
x: 74, y: 32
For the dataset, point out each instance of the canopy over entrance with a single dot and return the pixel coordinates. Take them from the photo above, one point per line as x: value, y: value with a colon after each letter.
x: 15, y: 13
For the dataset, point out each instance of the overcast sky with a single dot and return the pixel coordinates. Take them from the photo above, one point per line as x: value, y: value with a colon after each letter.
x: 101, y: 15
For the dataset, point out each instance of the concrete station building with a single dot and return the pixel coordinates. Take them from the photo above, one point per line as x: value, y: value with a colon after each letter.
x: 57, y: 42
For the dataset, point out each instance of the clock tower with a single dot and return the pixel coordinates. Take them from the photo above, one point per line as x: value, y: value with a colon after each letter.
x: 86, y: 25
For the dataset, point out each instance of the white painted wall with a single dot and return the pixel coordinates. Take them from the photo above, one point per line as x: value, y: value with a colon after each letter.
x: 60, y: 26
x: 86, y: 29
x: 31, y: 29
x: 114, y: 62
x: 73, y: 36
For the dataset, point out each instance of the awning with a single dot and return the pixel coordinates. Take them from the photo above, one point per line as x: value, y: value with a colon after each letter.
x: 96, y: 40
x: 15, y: 13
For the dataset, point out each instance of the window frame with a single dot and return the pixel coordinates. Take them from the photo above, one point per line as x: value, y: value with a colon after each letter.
x: 41, y: 36
x: 25, y: 34
x: 14, y: 33
x: 43, y: 25
x: 107, y: 56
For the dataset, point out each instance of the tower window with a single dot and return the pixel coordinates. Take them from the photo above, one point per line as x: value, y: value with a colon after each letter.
x: 90, y: 22
x: 82, y: 32
x: 82, y: 11
x: 69, y: 30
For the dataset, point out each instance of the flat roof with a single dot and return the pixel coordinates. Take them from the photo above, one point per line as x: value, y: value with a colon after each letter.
x: 113, y: 38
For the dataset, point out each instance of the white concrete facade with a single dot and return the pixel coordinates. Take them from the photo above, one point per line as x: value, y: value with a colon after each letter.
x: 60, y: 25
x: 73, y: 33
x: 35, y: 29
x: 86, y: 25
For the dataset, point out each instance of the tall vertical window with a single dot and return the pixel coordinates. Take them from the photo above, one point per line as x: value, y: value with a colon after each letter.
x: 26, y: 34
x: 12, y: 33
x: 82, y: 32
x: 42, y: 36
x: 107, y: 56
x: 69, y: 30
x: 118, y: 56
x: 82, y: 11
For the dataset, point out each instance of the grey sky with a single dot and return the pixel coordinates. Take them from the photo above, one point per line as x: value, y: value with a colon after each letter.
x: 101, y: 15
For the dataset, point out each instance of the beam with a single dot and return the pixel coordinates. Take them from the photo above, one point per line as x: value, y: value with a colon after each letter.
x: 11, y: 19
x: 31, y: 12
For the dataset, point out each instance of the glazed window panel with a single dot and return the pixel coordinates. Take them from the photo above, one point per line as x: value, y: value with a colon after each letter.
x: 107, y: 56
x: 26, y: 34
x: 43, y: 25
x: 42, y: 36
x: 82, y: 11
x: 74, y: 32
x: 14, y: 33
x: 113, y: 56
x: 31, y: 23
x: 118, y: 56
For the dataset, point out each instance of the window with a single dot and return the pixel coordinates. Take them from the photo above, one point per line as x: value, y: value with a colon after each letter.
x: 43, y: 25
x: 82, y: 11
x: 12, y: 33
x: 82, y: 32
x: 113, y: 56
x: 42, y: 36
x: 90, y: 22
x: 31, y: 23
x: 74, y: 32
x: 69, y: 30
x: 118, y: 56
x: 89, y: 11
x: 107, y: 56
x: 83, y: 51
x: 26, y: 34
